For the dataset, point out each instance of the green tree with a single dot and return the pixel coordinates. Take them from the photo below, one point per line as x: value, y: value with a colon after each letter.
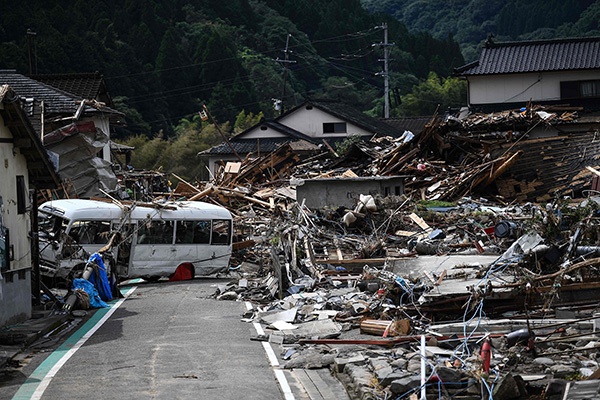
x: 245, y: 120
x: 433, y: 94
x: 147, y: 151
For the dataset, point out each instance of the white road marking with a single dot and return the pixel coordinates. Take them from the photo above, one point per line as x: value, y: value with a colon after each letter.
x: 25, y: 390
x: 279, y: 374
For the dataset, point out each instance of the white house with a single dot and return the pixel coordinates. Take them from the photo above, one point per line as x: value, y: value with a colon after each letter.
x: 550, y: 72
x: 307, y: 127
x: 24, y: 168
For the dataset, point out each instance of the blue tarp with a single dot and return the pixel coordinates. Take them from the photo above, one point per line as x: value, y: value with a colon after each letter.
x: 90, y: 289
x: 100, y: 279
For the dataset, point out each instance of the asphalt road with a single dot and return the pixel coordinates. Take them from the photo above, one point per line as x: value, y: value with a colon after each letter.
x: 165, y: 341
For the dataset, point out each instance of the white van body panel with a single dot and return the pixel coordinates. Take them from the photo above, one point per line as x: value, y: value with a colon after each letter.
x: 141, y: 251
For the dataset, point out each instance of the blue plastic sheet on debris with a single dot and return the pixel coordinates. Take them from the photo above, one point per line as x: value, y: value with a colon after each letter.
x: 90, y: 289
x: 100, y: 279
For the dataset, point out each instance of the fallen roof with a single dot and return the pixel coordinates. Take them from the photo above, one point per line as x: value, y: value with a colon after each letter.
x: 413, y: 124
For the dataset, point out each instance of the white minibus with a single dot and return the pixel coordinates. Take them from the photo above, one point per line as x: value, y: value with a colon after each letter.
x: 148, y: 241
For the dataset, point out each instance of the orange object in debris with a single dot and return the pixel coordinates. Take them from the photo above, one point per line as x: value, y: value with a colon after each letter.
x: 184, y: 272
x: 486, y: 355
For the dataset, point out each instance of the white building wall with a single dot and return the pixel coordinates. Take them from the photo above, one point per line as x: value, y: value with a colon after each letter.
x: 310, y: 122
x: 15, y: 284
x: 511, y: 88
x: 261, y: 134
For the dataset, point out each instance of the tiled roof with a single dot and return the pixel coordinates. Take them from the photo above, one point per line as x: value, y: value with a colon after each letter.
x: 244, y: 146
x: 276, y: 126
x: 85, y: 85
x: 535, y: 56
x: 56, y: 101
x: 41, y: 170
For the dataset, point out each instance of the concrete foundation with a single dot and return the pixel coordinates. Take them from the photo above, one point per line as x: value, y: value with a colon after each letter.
x: 336, y: 192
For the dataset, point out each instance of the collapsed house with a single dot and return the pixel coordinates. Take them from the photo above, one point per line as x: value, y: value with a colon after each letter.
x: 71, y: 120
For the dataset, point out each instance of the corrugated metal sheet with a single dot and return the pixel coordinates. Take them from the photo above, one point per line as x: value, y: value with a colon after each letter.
x: 536, y: 56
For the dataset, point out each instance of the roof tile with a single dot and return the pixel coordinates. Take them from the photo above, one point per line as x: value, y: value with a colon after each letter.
x: 536, y: 56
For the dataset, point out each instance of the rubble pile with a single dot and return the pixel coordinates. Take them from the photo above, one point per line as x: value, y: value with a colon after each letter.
x: 358, y: 297
x: 474, y: 277
x: 435, y: 289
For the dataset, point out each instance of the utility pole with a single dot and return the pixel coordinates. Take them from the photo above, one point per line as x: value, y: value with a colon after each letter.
x: 284, y: 62
x: 205, y: 115
x: 31, y: 35
x: 386, y: 78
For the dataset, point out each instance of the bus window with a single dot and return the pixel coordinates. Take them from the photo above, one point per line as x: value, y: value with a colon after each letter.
x: 221, y: 231
x: 51, y: 226
x: 156, y: 232
x: 201, y: 232
x: 184, y: 233
x: 90, y: 232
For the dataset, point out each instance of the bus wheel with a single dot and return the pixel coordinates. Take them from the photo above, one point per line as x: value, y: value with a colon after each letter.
x: 184, y: 272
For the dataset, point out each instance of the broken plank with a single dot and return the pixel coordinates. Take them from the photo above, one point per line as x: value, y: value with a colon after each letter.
x: 420, y: 222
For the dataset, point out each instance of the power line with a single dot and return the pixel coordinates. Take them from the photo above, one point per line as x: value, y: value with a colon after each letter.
x: 265, y: 53
x: 230, y: 82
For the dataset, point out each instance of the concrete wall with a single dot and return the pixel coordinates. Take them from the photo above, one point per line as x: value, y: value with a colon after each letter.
x: 336, y: 192
x: 15, y: 296
x: 513, y: 88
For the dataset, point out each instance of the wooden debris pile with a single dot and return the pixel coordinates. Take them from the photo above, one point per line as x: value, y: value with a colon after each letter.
x: 481, y: 154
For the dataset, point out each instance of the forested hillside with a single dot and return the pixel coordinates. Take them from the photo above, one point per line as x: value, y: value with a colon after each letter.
x: 470, y: 21
x: 163, y: 59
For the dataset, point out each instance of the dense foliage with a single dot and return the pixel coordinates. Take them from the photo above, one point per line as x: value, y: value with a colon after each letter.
x: 471, y: 21
x: 163, y: 59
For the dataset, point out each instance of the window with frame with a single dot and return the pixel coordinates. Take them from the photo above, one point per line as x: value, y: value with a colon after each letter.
x: 4, y: 249
x: 589, y: 88
x: 221, y: 231
x: 192, y: 232
x: 21, y: 195
x: 156, y: 232
x: 90, y: 232
x: 579, y: 89
x: 334, y: 127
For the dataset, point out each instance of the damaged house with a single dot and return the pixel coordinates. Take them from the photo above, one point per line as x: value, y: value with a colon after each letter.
x: 550, y: 133
x: 311, y: 127
x: 26, y: 169
x: 74, y: 129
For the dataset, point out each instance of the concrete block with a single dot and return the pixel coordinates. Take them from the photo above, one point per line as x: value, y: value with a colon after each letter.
x: 401, y: 386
